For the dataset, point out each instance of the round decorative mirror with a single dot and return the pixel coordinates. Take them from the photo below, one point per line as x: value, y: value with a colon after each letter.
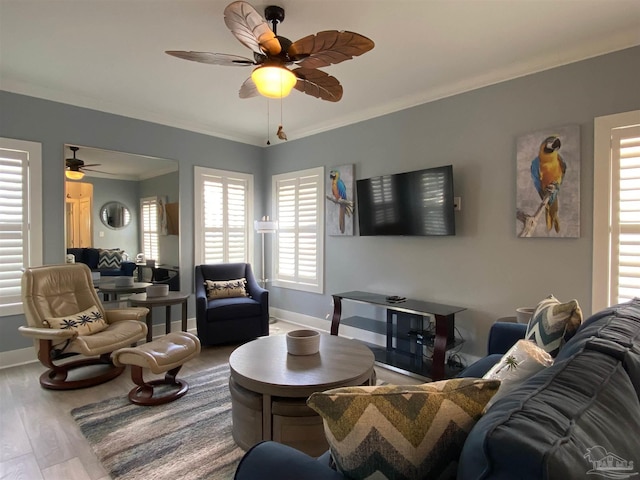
x: 115, y: 215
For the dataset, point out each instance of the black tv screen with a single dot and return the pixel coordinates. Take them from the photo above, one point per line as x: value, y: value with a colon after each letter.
x: 410, y: 203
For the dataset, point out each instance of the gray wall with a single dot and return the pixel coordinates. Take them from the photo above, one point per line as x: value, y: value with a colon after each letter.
x: 54, y: 125
x: 126, y: 192
x: 484, y: 268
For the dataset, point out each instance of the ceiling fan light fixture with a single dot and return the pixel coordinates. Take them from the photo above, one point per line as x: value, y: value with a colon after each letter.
x: 74, y: 174
x: 274, y: 81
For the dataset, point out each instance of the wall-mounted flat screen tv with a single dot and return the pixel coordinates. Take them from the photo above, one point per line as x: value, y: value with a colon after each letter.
x: 411, y: 203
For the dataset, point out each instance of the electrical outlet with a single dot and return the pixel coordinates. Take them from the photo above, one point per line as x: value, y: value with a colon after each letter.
x: 457, y: 203
x: 101, y: 234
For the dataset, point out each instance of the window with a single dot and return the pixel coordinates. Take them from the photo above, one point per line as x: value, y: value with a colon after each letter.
x: 616, y: 211
x: 149, y: 213
x: 299, y: 253
x: 222, y: 208
x: 20, y: 217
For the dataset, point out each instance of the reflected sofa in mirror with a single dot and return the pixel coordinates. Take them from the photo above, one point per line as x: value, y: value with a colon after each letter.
x: 121, y: 186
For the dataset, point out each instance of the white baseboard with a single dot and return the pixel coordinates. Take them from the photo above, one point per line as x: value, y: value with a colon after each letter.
x: 15, y: 358
x: 300, y: 319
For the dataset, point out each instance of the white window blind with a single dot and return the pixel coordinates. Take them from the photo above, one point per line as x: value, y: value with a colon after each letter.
x: 625, y: 215
x: 299, y: 255
x: 20, y: 218
x: 149, y: 210
x: 224, y: 222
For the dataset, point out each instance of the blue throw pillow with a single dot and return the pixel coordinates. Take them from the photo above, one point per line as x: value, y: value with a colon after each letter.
x: 554, y: 323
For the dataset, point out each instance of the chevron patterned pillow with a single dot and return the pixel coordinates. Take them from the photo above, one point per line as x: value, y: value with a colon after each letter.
x: 554, y: 323
x: 408, y: 431
x: 111, y: 259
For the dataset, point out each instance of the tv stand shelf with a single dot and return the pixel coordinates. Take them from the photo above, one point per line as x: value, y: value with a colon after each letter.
x: 405, y: 333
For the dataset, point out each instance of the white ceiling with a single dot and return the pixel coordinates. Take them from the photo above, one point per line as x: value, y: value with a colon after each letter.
x: 109, y: 55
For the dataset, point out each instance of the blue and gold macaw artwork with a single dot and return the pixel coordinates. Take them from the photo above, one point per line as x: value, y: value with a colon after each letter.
x: 547, y: 172
x: 339, y: 190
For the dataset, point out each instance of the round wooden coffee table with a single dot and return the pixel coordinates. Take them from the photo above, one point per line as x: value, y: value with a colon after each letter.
x: 269, y: 388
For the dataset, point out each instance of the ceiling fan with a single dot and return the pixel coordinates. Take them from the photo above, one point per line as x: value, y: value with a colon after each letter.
x: 76, y: 168
x: 275, y: 53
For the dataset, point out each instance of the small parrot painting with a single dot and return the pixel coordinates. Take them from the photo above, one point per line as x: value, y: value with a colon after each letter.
x: 548, y: 169
x: 339, y: 190
x: 547, y: 173
x: 340, y: 201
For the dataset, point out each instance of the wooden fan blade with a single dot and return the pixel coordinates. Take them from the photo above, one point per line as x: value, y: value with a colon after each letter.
x: 328, y: 47
x: 90, y: 165
x: 212, y: 58
x: 318, y: 84
x: 248, y: 89
x: 250, y: 28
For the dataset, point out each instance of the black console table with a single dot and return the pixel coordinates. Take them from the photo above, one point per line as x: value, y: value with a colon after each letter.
x: 404, y: 327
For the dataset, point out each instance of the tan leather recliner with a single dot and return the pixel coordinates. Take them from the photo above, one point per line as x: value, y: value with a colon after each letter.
x: 55, y: 291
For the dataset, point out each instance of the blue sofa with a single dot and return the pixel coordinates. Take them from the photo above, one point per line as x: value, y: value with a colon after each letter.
x: 577, y: 419
x: 91, y: 258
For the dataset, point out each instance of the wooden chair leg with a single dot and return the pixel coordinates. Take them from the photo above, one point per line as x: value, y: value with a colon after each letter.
x: 143, y: 393
x: 170, y: 376
x: 55, y: 378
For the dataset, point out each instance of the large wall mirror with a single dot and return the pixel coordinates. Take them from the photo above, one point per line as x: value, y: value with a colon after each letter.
x: 105, y: 195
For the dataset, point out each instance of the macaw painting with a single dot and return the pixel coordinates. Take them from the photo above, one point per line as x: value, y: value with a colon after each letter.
x: 340, y: 201
x: 548, y: 183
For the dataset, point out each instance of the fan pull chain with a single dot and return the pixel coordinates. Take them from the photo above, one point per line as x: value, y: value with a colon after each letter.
x: 280, y: 133
x: 268, y: 126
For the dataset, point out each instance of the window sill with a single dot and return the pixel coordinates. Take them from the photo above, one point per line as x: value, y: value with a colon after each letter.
x: 13, y: 309
x: 303, y: 287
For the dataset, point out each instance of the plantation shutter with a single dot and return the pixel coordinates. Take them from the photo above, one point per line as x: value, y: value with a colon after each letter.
x: 225, y: 219
x: 237, y: 221
x: 287, y: 214
x: 625, y: 215
x: 149, y: 208
x: 298, y: 205
x: 14, y: 254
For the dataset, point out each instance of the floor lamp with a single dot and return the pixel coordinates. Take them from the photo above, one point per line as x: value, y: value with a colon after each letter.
x: 264, y: 226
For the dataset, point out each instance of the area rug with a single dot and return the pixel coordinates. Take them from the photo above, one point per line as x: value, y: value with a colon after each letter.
x: 188, y: 439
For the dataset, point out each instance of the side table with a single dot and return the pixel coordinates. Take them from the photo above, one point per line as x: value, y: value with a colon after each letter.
x: 172, y: 298
x: 108, y: 288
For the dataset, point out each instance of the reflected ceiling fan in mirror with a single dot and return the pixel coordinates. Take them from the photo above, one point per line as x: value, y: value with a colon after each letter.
x: 75, y: 167
x: 273, y: 54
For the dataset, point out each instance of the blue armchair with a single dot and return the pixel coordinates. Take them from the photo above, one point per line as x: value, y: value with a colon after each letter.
x: 235, y: 319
